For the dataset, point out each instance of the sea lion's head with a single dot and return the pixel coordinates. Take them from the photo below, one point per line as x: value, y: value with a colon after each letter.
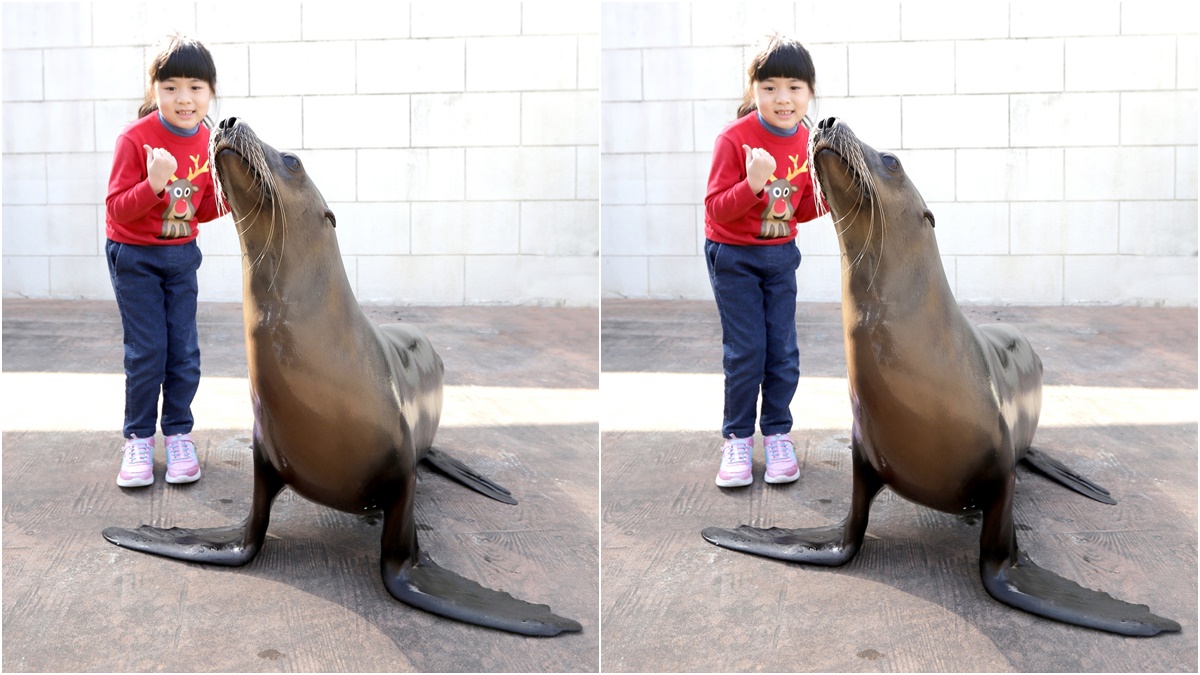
x: 270, y: 193
x: 868, y: 191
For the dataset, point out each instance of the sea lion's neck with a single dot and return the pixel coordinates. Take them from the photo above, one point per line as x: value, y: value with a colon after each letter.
x: 281, y: 285
x: 888, y: 279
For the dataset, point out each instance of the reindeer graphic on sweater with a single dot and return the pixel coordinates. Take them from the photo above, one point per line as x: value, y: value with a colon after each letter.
x: 779, y: 211
x: 179, y: 212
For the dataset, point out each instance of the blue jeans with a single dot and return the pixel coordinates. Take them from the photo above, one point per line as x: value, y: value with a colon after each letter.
x: 156, y: 291
x: 755, y: 289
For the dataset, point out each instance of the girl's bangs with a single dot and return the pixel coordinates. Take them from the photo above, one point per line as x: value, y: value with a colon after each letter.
x: 186, y: 60
x: 788, y: 60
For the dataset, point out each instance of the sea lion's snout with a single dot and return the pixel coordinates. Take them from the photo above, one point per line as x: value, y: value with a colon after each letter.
x: 827, y: 124
x: 228, y: 124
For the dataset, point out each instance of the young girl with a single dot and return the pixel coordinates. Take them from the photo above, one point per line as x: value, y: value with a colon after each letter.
x: 758, y: 190
x: 159, y: 190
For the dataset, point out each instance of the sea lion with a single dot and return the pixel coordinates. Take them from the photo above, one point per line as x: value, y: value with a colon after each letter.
x: 943, y: 409
x: 343, y: 409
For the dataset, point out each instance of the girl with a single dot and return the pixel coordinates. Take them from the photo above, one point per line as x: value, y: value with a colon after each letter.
x: 159, y: 190
x: 758, y: 190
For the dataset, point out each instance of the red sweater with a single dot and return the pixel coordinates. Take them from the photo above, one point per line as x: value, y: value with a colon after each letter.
x: 133, y: 213
x: 733, y: 214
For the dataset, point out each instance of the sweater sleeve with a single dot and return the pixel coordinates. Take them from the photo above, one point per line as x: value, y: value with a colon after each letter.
x: 207, y: 210
x: 729, y: 197
x: 807, y: 209
x: 130, y: 196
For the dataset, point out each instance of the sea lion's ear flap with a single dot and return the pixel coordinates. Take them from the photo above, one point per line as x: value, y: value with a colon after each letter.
x: 330, y: 217
x: 929, y: 217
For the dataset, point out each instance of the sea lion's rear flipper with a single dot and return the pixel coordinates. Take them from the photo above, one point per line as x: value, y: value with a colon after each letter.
x: 464, y: 474
x: 1012, y: 578
x: 434, y: 589
x: 1060, y: 473
x: 831, y: 545
x: 231, y: 545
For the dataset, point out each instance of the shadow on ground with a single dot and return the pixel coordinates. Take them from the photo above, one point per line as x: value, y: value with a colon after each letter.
x: 912, y: 599
x: 313, y: 599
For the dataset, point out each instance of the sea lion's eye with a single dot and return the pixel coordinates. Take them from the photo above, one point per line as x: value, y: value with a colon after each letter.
x: 292, y: 161
x: 890, y: 161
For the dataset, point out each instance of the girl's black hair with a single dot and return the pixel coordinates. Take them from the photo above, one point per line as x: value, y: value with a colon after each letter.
x: 782, y: 57
x: 182, y: 57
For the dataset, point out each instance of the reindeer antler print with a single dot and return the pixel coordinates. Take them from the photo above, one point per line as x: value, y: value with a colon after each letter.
x: 192, y: 173
x: 797, y: 168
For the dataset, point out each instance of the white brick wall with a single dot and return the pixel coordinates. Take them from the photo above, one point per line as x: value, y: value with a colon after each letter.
x: 459, y: 148
x: 1056, y: 141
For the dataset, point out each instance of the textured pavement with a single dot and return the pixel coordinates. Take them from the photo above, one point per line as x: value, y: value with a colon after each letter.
x: 520, y: 407
x: 1120, y: 406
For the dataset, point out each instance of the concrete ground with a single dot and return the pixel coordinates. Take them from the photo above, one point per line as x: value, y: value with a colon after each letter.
x: 1120, y: 406
x: 521, y: 406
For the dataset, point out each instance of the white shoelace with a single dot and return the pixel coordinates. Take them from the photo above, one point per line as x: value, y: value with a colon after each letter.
x: 178, y: 450
x: 777, y: 450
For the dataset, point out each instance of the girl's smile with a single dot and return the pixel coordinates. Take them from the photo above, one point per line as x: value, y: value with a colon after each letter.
x: 782, y: 101
x: 183, y: 101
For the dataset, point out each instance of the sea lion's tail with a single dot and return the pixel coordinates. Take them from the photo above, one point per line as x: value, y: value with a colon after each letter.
x: 464, y: 474
x: 1059, y: 473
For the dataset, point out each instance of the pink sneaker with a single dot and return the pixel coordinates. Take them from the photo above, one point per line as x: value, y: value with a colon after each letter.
x: 781, y: 459
x: 736, y: 462
x: 137, y: 462
x: 182, y: 465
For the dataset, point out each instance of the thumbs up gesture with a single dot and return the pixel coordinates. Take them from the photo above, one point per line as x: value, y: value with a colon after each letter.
x: 160, y: 166
x: 759, y: 167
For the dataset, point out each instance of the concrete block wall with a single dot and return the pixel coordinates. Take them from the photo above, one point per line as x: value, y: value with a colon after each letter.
x: 458, y: 147
x: 1055, y: 141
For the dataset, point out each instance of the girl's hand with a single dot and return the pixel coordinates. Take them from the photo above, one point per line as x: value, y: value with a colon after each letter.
x: 160, y: 166
x: 759, y: 167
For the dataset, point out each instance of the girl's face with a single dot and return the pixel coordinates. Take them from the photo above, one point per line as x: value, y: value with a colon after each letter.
x: 183, y: 101
x: 782, y: 101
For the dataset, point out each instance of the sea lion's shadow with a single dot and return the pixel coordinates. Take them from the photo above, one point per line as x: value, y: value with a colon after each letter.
x: 335, y: 556
x: 905, y: 540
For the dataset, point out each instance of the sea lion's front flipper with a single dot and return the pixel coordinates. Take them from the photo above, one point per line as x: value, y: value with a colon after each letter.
x: 831, y: 545
x: 211, y: 545
x: 434, y: 589
x: 231, y: 545
x: 1060, y: 473
x: 1012, y: 578
x: 464, y: 474
x: 414, y: 579
x: 817, y: 545
x: 1028, y: 587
